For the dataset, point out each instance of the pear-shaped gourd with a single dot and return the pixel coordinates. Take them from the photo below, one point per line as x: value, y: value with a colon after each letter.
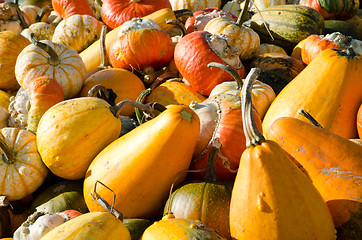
x: 281, y: 203
x: 141, y: 166
x: 329, y: 88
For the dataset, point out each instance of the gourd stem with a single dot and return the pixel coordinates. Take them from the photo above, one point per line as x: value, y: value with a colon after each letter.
x: 20, y: 14
x: 146, y: 107
x: 43, y: 11
x: 99, y: 2
x: 164, y: 77
x: 8, y: 156
x: 243, y: 15
x: 177, y: 24
x: 231, y: 71
x: 309, y: 117
x: 104, y: 58
x: 183, y: 13
x: 102, y: 92
x: 210, y: 167
x: 53, y: 56
x: 140, y: 99
x: 252, y: 135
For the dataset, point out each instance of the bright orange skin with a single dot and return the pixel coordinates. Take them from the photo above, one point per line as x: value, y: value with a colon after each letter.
x: 116, y: 12
x: 313, y: 45
x: 140, y: 49
x: 332, y: 162
x: 67, y: 8
x: 359, y: 122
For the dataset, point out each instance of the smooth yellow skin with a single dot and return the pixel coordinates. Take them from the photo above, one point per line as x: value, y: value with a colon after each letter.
x: 90, y: 226
x: 273, y: 200
x: 329, y: 89
x: 71, y: 133
x: 141, y: 166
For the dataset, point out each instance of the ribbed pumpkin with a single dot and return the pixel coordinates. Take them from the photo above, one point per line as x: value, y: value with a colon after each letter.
x: 11, y: 44
x: 77, y: 31
x: 262, y: 94
x: 329, y: 88
x: 281, y: 202
x: 197, y: 49
x: 339, y: 9
x: 75, y: 129
x: 141, y: 44
x: 233, y: 6
x: 270, y: 48
x: 194, y: 5
x: 207, y: 201
x: 171, y: 228
x: 52, y: 60
x: 116, y: 12
x: 91, y: 226
x: 21, y: 165
x: 333, y: 164
x: 91, y: 56
x: 141, y: 166
x: 243, y: 38
x: 288, y: 24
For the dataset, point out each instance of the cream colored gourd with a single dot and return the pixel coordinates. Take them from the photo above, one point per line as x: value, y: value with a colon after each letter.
x: 281, y: 203
x: 41, y: 30
x: 78, y: 31
x: 22, y: 170
x: 52, y: 60
x: 71, y: 133
x: 243, y: 38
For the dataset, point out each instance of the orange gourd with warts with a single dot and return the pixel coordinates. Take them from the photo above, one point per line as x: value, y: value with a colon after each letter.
x: 281, y: 202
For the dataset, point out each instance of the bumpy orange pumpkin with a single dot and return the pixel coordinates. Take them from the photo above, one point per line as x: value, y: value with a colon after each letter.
x: 141, y: 44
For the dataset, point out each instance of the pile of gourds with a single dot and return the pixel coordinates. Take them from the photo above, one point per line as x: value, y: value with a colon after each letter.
x: 180, y: 119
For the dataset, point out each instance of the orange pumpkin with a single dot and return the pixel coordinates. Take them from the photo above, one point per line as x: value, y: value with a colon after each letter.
x: 141, y: 44
x: 116, y: 12
x: 313, y: 45
x: 67, y: 8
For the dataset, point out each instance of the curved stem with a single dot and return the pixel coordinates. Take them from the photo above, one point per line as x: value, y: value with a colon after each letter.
x: 53, y: 56
x: 44, y: 10
x: 309, y: 117
x: 150, y: 107
x: 104, y: 57
x: 252, y: 134
x: 140, y: 99
x: 177, y: 24
x: 20, y: 14
x: 8, y: 156
x: 210, y: 167
x: 96, y: 89
x: 243, y: 15
x: 163, y: 78
x: 231, y: 71
x: 183, y: 14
